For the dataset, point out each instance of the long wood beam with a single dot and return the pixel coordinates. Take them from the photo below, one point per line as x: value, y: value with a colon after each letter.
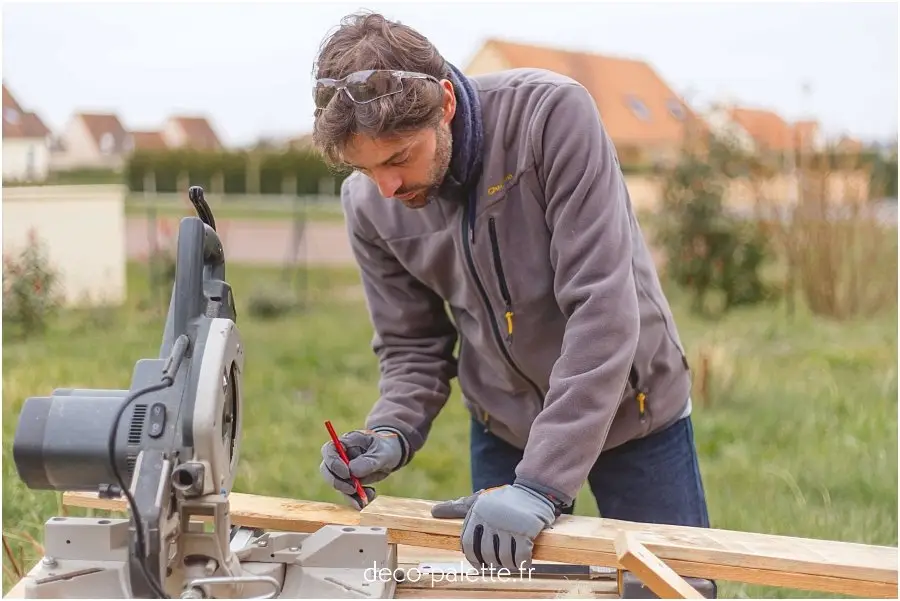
x: 843, y: 586
x: 252, y: 511
x: 809, y: 564
x: 800, y: 563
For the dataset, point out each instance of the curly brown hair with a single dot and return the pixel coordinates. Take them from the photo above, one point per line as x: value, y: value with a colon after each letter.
x: 367, y: 40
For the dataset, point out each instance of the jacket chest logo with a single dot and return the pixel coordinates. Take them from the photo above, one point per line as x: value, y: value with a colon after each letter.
x: 496, y: 188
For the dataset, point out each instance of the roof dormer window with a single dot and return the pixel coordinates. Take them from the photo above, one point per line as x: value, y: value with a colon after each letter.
x: 639, y: 108
x: 675, y: 109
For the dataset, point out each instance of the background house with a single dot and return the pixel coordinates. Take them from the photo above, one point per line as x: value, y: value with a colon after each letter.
x: 26, y: 143
x: 646, y: 119
x: 148, y: 140
x: 771, y: 133
x: 92, y: 141
x: 808, y: 136
x: 723, y: 126
x: 195, y: 133
x: 849, y: 144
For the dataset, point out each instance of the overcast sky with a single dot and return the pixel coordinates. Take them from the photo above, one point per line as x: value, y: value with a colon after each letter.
x: 248, y: 67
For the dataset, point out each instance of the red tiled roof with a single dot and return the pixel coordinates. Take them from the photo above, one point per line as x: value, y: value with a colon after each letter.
x: 18, y: 123
x: 768, y: 130
x: 35, y: 126
x: 9, y: 100
x: 771, y: 132
x: 198, y: 132
x: 637, y: 106
x: 148, y: 140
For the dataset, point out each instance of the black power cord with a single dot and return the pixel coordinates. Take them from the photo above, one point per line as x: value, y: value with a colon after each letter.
x: 173, y: 362
x: 139, y: 527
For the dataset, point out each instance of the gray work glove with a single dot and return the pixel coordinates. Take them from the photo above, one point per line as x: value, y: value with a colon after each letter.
x: 500, y: 525
x: 373, y: 454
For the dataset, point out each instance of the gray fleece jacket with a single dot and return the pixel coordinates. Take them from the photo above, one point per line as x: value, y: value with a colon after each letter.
x: 567, y: 345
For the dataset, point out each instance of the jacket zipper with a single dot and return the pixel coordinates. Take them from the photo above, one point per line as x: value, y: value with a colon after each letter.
x: 486, y: 421
x: 504, y: 289
x: 640, y: 394
x: 467, y: 247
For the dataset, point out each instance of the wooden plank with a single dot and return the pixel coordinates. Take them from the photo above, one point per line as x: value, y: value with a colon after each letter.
x: 409, y: 558
x: 522, y: 585
x: 821, y: 565
x: 308, y: 516
x: 656, y: 575
x: 17, y: 591
x: 411, y: 554
x: 444, y: 593
x: 843, y: 586
x: 270, y: 513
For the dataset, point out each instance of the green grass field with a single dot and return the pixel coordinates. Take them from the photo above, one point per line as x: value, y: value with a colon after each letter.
x: 797, y: 433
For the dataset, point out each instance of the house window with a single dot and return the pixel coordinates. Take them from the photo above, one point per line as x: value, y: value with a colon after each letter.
x: 639, y: 108
x: 11, y: 115
x: 675, y: 109
x: 107, y: 143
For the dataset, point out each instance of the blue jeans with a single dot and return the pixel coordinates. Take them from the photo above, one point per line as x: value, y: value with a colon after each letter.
x: 654, y: 479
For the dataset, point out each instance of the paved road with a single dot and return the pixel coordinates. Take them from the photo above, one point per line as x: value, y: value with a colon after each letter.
x: 271, y: 241
x: 258, y: 242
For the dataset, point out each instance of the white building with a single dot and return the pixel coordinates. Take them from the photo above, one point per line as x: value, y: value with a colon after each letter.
x: 26, y: 143
x: 92, y: 140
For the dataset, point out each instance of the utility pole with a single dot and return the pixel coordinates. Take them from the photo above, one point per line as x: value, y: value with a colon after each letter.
x: 806, y: 91
x: 795, y: 153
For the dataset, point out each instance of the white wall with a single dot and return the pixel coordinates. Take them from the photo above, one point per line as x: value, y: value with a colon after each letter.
x: 173, y: 134
x: 83, y: 230
x: 25, y: 159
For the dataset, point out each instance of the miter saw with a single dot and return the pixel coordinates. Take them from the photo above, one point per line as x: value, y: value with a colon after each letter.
x: 175, y: 437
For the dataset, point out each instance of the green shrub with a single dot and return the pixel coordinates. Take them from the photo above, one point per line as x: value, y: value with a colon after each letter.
x: 237, y: 172
x: 31, y: 288
x: 884, y: 176
x: 709, y: 251
x: 268, y: 304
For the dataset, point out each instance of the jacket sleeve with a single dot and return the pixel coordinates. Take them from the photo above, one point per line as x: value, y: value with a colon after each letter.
x: 414, y: 338
x: 588, y: 215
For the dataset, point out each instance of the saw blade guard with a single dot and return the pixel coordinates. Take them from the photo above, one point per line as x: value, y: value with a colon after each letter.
x: 214, y: 424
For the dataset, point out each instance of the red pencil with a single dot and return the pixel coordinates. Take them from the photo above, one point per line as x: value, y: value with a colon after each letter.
x: 343, y: 454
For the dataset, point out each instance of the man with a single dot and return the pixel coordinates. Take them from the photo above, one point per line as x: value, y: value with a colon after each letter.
x: 501, y: 196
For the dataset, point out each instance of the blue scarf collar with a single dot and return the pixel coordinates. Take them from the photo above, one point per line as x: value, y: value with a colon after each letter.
x: 468, y: 133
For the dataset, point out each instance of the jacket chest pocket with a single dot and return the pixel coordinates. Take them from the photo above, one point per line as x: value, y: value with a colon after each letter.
x: 500, y: 276
x: 520, y: 273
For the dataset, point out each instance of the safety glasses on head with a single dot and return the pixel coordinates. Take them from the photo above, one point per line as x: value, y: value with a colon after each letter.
x: 364, y: 86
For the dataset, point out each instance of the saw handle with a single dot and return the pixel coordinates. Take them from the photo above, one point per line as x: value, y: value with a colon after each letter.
x: 200, y: 257
x: 195, y: 195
